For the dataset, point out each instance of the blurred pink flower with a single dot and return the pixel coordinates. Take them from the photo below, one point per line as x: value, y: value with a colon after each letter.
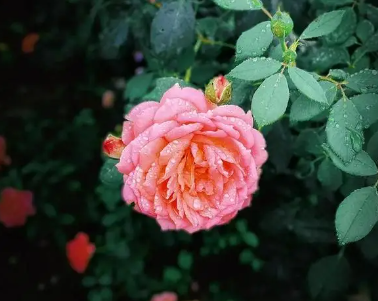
x: 15, y: 207
x: 108, y: 99
x: 188, y: 163
x: 79, y: 252
x: 4, y: 158
x: 165, y: 296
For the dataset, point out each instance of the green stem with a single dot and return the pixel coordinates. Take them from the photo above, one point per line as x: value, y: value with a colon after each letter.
x: 283, y: 44
x: 188, y: 73
x: 265, y: 11
x: 325, y: 78
x: 318, y: 159
x: 341, y: 252
x: 376, y: 184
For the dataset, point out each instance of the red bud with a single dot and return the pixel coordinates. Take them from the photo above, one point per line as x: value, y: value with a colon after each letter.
x: 113, y: 146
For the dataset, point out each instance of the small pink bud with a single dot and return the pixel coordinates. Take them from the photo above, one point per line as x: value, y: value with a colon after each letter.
x: 218, y: 91
x: 113, y: 146
x: 108, y: 99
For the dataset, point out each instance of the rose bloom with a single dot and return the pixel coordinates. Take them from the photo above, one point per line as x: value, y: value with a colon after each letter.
x: 15, y: 207
x: 188, y: 163
x: 165, y: 296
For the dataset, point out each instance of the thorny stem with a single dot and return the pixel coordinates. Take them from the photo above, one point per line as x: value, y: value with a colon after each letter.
x: 265, y: 11
x: 188, y: 72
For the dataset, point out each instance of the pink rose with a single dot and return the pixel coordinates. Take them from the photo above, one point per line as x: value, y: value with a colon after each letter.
x: 188, y: 163
x: 165, y: 296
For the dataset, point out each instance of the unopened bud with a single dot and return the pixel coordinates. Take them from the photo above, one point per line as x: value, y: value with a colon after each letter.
x: 289, y: 56
x: 218, y: 90
x: 113, y: 146
x: 281, y: 24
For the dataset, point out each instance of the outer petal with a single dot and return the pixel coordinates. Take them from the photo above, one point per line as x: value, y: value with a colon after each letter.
x: 127, y: 132
x: 196, y: 97
x: 139, y: 109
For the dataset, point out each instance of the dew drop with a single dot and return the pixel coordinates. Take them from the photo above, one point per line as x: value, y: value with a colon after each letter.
x: 197, y: 204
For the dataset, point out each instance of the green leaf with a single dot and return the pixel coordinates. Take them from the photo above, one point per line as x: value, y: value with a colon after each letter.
x: 254, y: 42
x: 323, y: 58
x: 109, y: 173
x: 362, y: 165
x: 185, y: 260
x: 328, y: 276
x: 323, y: 25
x: 345, y: 30
x: 336, y: 2
x: 344, y: 130
x: 371, y: 45
x: 308, y: 142
x: 276, y: 53
x: 113, y: 36
x: 251, y: 239
x: 365, y: 81
x: 357, y: 215
x: 138, y: 86
x: 307, y: 84
x: 372, y: 147
x: 208, y: 26
x: 367, y: 106
x: 241, y: 92
x: 246, y: 256
x: 255, y: 69
x: 173, y: 28
x: 270, y: 100
x: 172, y: 274
x: 280, y: 145
x: 240, y: 4
x: 304, y: 108
x: 162, y: 85
x: 203, y: 72
x: 350, y: 42
x: 330, y: 176
x: 372, y: 14
x: 364, y: 30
